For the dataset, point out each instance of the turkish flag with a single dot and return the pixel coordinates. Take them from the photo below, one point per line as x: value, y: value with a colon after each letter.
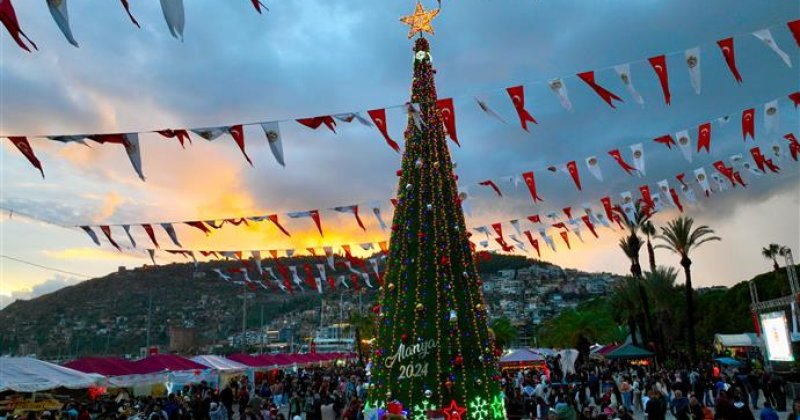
x: 378, y: 117
x: 659, y: 64
x: 676, y: 199
x: 531, y: 183
x: 448, y: 113
x: 315, y: 122
x: 618, y: 157
x: 589, y: 225
x: 666, y: 140
x: 794, y: 27
x: 107, y: 231
x: 181, y: 135
x: 604, y: 93
x: 9, y: 18
x: 534, y: 243
x: 517, y: 94
x: 704, y: 137
x: 726, y: 45
x: 490, y: 183
x: 795, y: 97
x: 25, y: 147
x: 748, y: 123
x: 572, y: 167
x: 607, y: 207
x: 151, y: 234
x: 647, y: 198
x: 534, y: 218
x: 565, y: 237
x: 237, y: 132
x: 794, y: 146
x: 274, y: 219
x: 199, y: 225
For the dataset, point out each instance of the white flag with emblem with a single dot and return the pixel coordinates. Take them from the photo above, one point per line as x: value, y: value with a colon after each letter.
x: 702, y: 179
x: 559, y: 88
x: 624, y: 73
x: 638, y: 158
x: 173, y: 14
x: 273, y: 133
x: 771, y: 116
x: 594, y: 167
x: 692, y: 56
x: 766, y: 37
x: 685, y: 144
x: 58, y: 8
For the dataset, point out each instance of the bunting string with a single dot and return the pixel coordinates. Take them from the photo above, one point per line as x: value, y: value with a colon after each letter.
x: 377, y: 117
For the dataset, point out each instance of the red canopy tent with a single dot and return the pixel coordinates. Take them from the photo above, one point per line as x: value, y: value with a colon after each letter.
x: 162, y: 362
x: 246, y: 359
x: 106, y: 366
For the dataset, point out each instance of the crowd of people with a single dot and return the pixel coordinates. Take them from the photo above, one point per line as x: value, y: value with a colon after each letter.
x: 603, y: 391
x: 596, y: 391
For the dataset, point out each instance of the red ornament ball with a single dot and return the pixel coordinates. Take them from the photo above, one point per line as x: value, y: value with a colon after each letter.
x: 404, y: 338
x: 448, y: 384
x: 459, y: 361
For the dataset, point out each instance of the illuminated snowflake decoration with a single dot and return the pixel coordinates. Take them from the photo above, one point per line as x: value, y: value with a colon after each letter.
x: 421, y: 411
x: 479, y: 408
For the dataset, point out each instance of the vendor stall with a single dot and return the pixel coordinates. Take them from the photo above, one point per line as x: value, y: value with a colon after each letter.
x: 26, y: 374
x: 523, y: 359
x: 631, y: 354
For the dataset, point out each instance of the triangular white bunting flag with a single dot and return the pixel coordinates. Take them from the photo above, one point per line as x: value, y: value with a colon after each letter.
x: 520, y: 244
x: 342, y: 280
x: 663, y: 188
x: 702, y: 179
x: 547, y: 239
x: 576, y: 228
x: 222, y: 275
x: 624, y: 73
x: 484, y: 244
x: 638, y: 158
x: 560, y: 89
x: 692, y: 56
x: 685, y: 144
x: 365, y: 277
x: 256, y: 256
x: 463, y: 196
x: 771, y: 116
x: 515, y: 225
x: 127, y: 229
x: 58, y: 8
x: 295, y: 278
x: 489, y: 111
x: 152, y: 254
x: 376, y: 210
x: 321, y: 269
x: 594, y: 167
x: 350, y: 116
x: 766, y: 37
x: 721, y: 183
x: 92, y: 234
x: 723, y: 120
x: 210, y: 133
x: 628, y: 206
x: 173, y: 14
x: 273, y: 133
x: 777, y: 151
x: 329, y: 255
x: 134, y: 155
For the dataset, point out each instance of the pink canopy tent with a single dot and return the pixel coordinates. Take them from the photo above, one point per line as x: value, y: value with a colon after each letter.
x: 162, y: 362
x: 106, y: 366
x: 248, y: 360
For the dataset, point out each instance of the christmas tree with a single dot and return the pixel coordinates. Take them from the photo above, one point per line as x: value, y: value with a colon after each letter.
x: 433, y: 350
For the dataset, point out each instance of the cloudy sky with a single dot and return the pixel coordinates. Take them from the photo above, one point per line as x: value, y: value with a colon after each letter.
x: 314, y: 57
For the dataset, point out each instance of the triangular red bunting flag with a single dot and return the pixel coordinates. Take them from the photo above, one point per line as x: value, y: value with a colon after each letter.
x: 128, y: 11
x: 568, y: 212
x: 237, y: 132
x: 681, y: 178
x: 378, y: 117
x: 309, y: 276
x: 676, y: 199
x: 647, y: 198
x: 560, y: 225
x: 726, y: 45
x: 209, y: 254
x: 531, y: 183
x: 666, y: 140
x: 659, y: 64
x: 565, y: 237
x: 608, y: 208
x: 726, y: 171
x: 704, y: 137
x: 738, y: 177
x: 151, y: 234
x: 358, y: 218
x: 795, y: 97
x: 237, y: 222
x: 748, y: 123
x: 572, y: 167
x: 490, y: 183
x: 604, y: 93
x: 589, y: 225
x: 534, y: 218
x: 314, y: 214
x: 181, y: 135
x: 517, y: 94
x: 625, y: 166
x: 794, y: 26
x: 448, y: 112
x: 25, y: 147
x: 505, y: 246
x: 763, y: 163
x: 107, y: 231
x: 794, y: 146
x: 199, y: 225
x: 498, y: 228
x: 534, y: 243
x: 384, y: 246
x: 9, y: 18
x: 274, y: 219
x: 315, y: 122
x: 258, y: 5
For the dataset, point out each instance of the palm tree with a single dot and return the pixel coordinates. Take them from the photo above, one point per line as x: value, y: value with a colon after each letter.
x: 649, y: 229
x: 660, y: 285
x: 631, y: 245
x: 679, y: 238
x: 626, y: 299
x: 771, y: 252
x: 504, y: 332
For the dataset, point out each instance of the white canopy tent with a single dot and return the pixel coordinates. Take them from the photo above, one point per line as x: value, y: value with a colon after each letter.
x: 220, y: 363
x: 738, y: 340
x: 26, y: 374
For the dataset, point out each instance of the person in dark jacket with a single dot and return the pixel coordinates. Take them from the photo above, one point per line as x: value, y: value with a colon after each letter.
x: 226, y: 398
x: 656, y: 408
x: 679, y: 406
x: 741, y: 411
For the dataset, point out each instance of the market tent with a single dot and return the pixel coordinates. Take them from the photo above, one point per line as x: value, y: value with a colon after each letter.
x: 247, y: 360
x: 737, y: 340
x: 26, y: 374
x: 106, y: 366
x: 165, y: 362
x: 219, y: 363
x: 521, y: 357
x: 629, y: 351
